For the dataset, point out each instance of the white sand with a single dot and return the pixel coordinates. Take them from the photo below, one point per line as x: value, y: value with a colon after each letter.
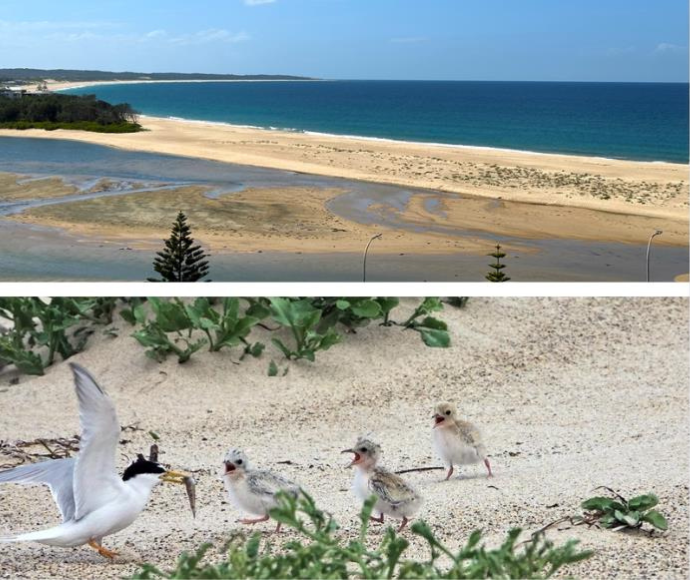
x: 570, y: 393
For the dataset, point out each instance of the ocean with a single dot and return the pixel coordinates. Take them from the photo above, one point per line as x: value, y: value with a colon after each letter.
x: 637, y: 121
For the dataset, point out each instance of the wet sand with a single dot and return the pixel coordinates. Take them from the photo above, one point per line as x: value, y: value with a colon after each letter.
x: 598, y: 399
x: 316, y: 220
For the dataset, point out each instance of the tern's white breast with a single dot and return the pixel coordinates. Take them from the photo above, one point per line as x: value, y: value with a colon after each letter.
x: 452, y: 449
x: 243, y: 498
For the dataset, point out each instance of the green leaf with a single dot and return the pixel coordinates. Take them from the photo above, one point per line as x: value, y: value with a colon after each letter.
x: 598, y: 503
x: 154, y: 435
x: 629, y: 519
x: 272, y: 369
x: 367, y: 308
x: 643, y: 502
x: 435, y: 323
x: 26, y: 361
x: 256, y: 349
x: 284, y: 349
x: 171, y: 316
x: 435, y: 338
x: 656, y: 519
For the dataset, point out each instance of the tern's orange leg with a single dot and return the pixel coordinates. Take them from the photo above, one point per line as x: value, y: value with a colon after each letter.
x: 450, y: 472
x: 488, y: 466
x: 403, y: 524
x: 102, y: 551
x: 378, y: 520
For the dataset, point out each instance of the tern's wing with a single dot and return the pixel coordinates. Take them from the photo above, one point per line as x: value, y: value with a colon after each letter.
x: 56, y: 474
x: 391, y: 487
x: 95, y: 480
x: 268, y: 484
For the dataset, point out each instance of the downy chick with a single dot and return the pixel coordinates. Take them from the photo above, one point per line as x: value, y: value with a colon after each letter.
x: 252, y: 490
x: 394, y: 496
x: 457, y: 442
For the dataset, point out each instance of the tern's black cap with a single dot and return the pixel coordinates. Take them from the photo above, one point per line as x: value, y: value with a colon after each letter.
x: 142, y: 465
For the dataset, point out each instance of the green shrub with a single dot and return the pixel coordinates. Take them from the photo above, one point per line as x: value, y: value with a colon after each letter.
x: 171, y: 328
x: 302, y: 319
x: 75, y: 126
x: 619, y: 513
x: 41, y: 330
x: 318, y: 552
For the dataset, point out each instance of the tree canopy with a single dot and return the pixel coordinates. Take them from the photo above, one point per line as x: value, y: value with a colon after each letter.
x: 56, y: 111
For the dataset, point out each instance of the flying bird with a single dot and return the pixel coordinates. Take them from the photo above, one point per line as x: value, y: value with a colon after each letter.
x: 252, y: 490
x: 394, y: 496
x: 93, y: 500
x: 457, y: 442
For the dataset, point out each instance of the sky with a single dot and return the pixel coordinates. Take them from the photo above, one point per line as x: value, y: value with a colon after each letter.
x: 548, y: 40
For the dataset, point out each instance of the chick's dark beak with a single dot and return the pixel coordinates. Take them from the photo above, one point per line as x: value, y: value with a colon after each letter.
x: 356, y: 459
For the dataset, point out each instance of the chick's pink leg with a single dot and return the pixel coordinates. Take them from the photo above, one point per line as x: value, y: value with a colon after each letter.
x: 253, y: 521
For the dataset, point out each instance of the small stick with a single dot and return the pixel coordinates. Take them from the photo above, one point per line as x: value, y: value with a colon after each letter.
x: 50, y: 451
x: 420, y: 469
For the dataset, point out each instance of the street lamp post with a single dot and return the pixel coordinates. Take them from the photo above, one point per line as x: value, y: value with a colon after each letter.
x: 366, y: 251
x: 649, y: 248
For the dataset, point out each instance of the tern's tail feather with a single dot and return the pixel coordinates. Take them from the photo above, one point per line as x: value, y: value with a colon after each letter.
x: 39, y: 536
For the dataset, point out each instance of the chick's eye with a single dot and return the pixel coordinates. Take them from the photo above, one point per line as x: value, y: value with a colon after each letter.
x: 447, y: 412
x: 363, y: 449
x: 239, y: 462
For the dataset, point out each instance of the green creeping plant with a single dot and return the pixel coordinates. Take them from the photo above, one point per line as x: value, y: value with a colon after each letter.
x: 618, y: 513
x: 316, y: 550
x: 40, y: 330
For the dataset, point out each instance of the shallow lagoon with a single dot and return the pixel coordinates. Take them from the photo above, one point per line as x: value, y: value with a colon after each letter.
x: 38, y: 253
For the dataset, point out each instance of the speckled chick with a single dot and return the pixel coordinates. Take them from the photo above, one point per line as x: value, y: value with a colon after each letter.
x: 251, y: 490
x: 394, y: 496
x: 457, y: 442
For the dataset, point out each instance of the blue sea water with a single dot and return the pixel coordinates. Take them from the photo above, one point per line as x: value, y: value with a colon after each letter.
x: 640, y: 121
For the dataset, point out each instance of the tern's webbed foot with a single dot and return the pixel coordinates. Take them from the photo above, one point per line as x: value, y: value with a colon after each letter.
x: 102, y: 550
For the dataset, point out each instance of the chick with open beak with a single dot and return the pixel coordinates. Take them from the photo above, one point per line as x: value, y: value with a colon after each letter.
x: 457, y: 442
x: 252, y: 490
x: 394, y: 496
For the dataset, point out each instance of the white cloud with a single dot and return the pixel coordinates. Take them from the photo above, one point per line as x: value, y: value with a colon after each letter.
x: 258, y: 2
x: 210, y: 35
x: 156, y: 34
x: 668, y: 48
x: 22, y: 34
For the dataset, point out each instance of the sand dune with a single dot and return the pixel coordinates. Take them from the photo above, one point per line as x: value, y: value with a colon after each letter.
x: 570, y: 393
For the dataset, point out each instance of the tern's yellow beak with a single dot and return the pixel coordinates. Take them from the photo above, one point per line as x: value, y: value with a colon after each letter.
x: 174, y: 477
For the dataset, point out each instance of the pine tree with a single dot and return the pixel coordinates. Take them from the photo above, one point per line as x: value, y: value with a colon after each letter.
x: 497, y: 274
x: 181, y: 260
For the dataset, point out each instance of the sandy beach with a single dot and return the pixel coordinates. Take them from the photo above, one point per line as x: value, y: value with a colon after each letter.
x: 628, y: 187
x: 599, y: 399
x: 501, y: 193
